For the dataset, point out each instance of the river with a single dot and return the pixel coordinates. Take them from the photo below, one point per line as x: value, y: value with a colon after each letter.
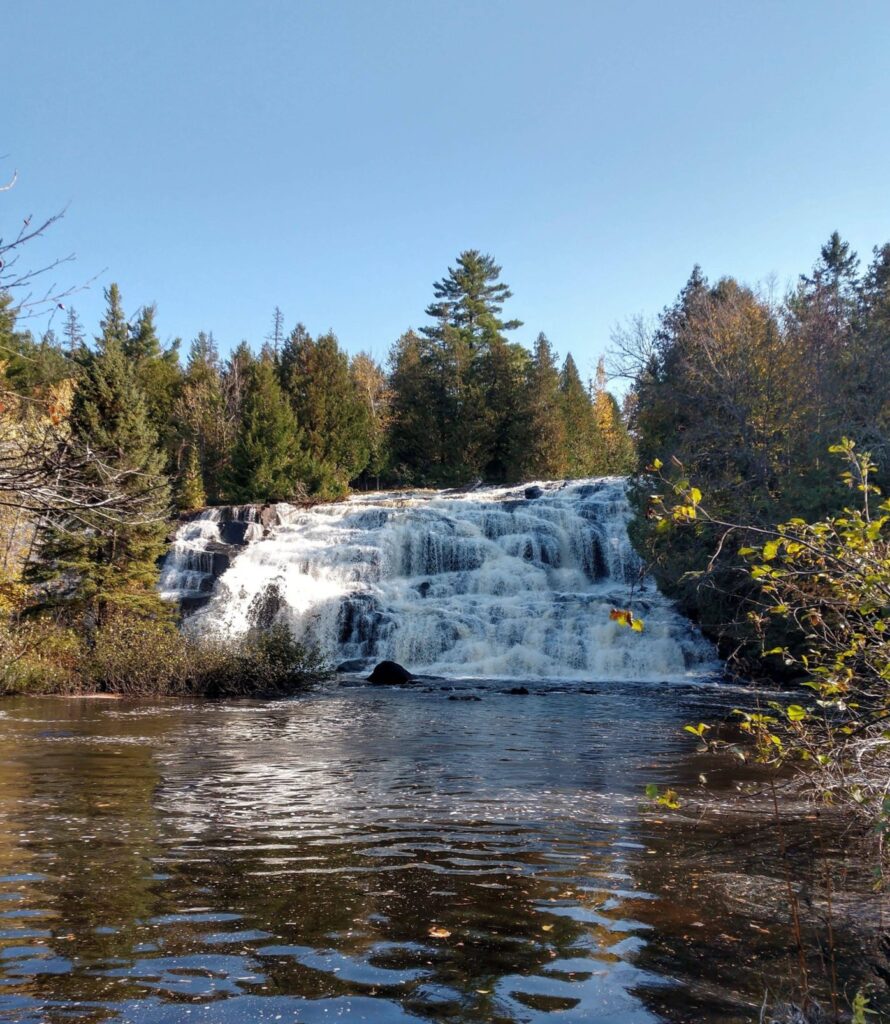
x: 383, y: 856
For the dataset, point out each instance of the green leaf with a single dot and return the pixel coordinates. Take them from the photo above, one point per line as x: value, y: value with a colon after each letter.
x: 795, y: 712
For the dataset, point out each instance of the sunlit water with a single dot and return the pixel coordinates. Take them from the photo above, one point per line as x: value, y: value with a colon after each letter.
x: 370, y: 855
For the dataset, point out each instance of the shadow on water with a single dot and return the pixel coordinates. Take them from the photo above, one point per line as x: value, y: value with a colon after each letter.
x: 382, y: 856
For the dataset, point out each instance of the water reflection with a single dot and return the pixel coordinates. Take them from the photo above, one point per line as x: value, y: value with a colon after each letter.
x: 381, y: 856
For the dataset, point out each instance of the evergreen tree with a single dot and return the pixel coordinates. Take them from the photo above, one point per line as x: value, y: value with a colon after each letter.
x: 190, y: 494
x: 75, y: 339
x: 419, y: 427
x: 103, y: 563
x: 582, y: 440
x: 503, y: 369
x: 334, y: 420
x: 159, y: 375
x: 546, y: 449
x: 470, y: 299
x: 202, y: 414
x: 268, y: 463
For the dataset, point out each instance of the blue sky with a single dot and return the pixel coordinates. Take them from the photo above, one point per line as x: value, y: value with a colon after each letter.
x: 332, y: 157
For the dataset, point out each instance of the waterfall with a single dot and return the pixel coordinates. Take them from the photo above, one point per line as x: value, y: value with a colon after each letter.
x: 495, y: 582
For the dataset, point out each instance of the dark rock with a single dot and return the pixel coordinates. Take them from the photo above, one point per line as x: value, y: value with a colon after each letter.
x: 424, y: 588
x: 464, y: 696
x: 353, y: 665
x: 534, y: 492
x: 390, y: 673
x: 233, y: 531
x: 518, y: 691
x: 588, y: 690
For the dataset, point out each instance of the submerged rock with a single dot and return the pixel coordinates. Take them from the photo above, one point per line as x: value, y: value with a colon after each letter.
x: 390, y: 673
x: 518, y: 691
x: 353, y: 665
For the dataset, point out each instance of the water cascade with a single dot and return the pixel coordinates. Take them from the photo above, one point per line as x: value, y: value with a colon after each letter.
x: 494, y: 582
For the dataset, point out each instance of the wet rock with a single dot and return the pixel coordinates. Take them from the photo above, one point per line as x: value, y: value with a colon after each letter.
x: 464, y: 696
x: 518, y: 691
x: 390, y: 673
x: 588, y: 689
x: 534, y: 492
x: 269, y: 516
x: 353, y: 665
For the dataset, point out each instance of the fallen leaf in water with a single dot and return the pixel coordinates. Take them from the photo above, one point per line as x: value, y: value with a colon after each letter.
x: 546, y: 927
x: 438, y: 933
x: 484, y: 991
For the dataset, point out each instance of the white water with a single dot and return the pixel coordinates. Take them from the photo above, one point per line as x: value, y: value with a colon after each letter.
x: 482, y: 584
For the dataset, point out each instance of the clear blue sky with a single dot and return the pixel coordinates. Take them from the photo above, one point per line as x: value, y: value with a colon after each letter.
x: 332, y: 157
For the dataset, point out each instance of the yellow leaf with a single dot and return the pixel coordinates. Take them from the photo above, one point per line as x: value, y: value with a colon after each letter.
x: 438, y: 933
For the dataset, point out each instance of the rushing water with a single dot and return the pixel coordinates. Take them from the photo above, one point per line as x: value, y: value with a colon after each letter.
x: 494, y: 583
x: 377, y: 856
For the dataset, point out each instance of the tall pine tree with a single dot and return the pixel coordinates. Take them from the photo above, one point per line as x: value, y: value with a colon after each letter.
x: 101, y: 563
x: 268, y: 463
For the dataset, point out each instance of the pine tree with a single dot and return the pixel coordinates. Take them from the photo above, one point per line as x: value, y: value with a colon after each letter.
x: 75, y: 339
x: 268, y: 463
x: 582, y: 440
x: 503, y: 370
x: 334, y: 420
x: 202, y: 414
x: 418, y: 431
x: 470, y: 298
x: 159, y: 375
x: 546, y: 451
x: 104, y: 563
x: 190, y: 493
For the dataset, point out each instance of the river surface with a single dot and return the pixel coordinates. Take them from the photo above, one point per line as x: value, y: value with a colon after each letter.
x: 378, y: 856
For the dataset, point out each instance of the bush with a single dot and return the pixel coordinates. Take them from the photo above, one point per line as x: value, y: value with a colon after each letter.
x: 149, y: 657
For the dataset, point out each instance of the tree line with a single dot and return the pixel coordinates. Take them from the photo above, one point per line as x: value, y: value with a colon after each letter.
x: 294, y: 419
x: 742, y: 392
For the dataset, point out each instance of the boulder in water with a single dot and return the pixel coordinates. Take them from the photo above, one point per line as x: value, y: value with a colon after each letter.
x: 390, y: 673
x: 534, y: 492
x: 518, y: 691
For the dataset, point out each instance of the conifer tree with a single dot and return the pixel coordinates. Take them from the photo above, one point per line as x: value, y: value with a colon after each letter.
x: 268, y: 463
x: 202, y: 415
x: 75, y: 338
x: 159, y: 375
x: 419, y: 427
x: 546, y: 451
x: 582, y: 440
x: 470, y: 299
x: 334, y: 420
x: 102, y: 563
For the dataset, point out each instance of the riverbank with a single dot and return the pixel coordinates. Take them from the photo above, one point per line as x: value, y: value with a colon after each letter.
x: 145, y: 657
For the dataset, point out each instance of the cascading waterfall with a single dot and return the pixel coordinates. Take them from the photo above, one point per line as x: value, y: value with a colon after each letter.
x: 495, y: 582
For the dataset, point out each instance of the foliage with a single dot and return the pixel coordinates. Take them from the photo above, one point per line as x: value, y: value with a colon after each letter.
x: 831, y: 580
x: 141, y: 656
x: 190, y: 494
x: 268, y: 463
x: 94, y: 562
x: 751, y: 391
x: 332, y: 415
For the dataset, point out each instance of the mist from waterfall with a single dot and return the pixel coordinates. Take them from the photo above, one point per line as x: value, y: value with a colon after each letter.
x: 496, y: 583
